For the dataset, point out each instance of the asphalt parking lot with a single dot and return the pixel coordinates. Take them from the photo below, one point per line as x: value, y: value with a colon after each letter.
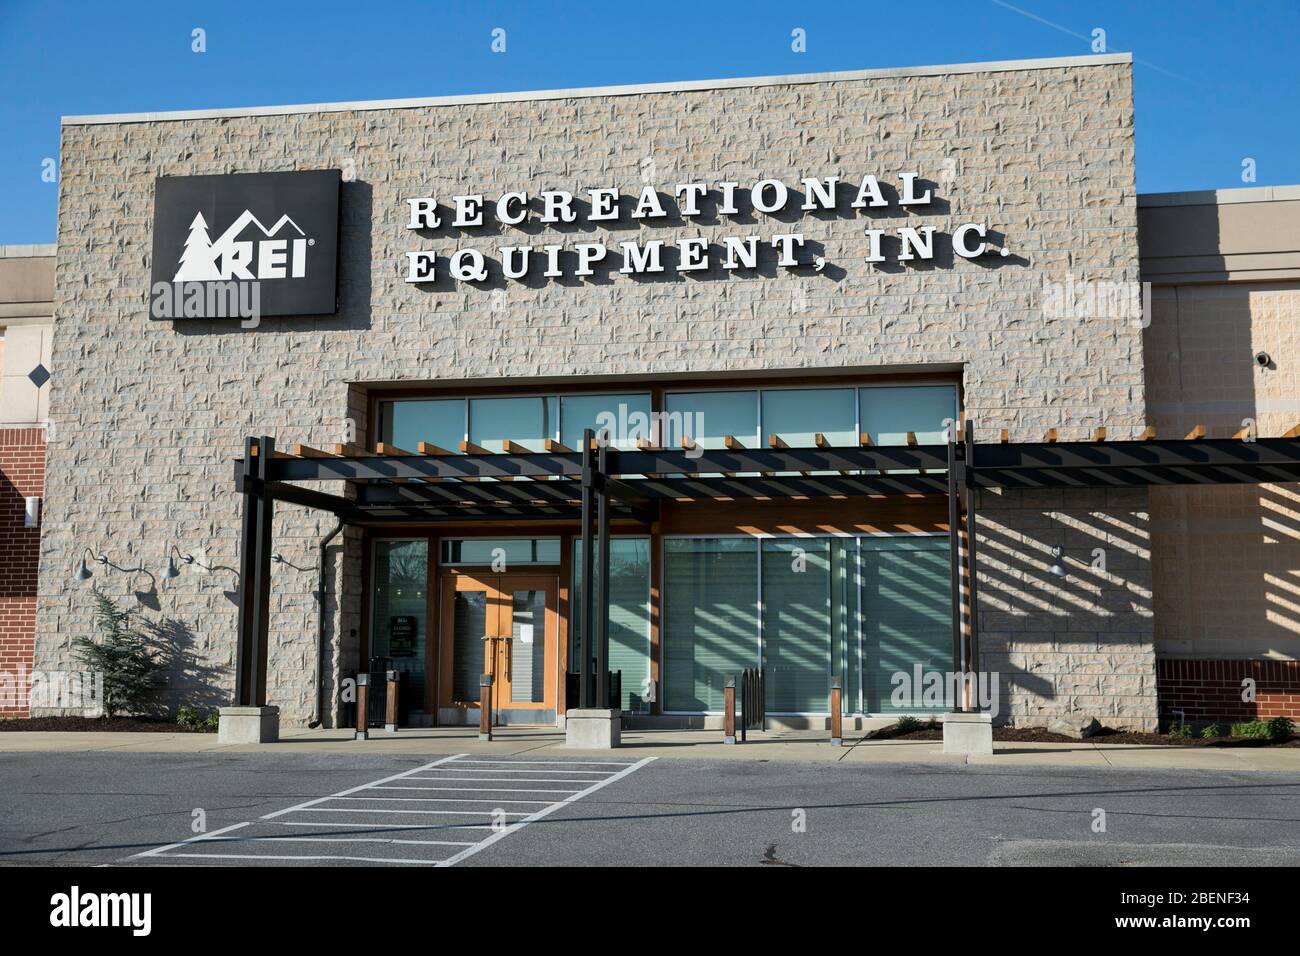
x: 240, y: 809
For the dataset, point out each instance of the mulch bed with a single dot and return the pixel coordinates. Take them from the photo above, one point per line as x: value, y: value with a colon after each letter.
x: 1036, y: 735
x: 79, y: 724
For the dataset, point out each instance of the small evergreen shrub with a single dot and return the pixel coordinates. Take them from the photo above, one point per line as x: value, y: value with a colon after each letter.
x: 123, y: 653
x: 1210, y: 731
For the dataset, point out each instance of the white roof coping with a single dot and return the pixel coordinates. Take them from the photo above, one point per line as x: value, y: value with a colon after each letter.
x: 29, y: 251
x: 998, y: 66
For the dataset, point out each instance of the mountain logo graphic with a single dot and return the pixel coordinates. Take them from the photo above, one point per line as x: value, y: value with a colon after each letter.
x: 233, y: 257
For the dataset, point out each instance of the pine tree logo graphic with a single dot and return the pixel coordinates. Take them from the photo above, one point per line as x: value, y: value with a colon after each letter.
x: 199, y: 260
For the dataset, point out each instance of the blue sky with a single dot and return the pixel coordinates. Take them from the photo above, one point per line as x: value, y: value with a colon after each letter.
x: 1215, y: 83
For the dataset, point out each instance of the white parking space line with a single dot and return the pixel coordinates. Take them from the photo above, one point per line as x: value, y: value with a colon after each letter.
x: 515, y: 827
x: 295, y: 856
x: 364, y: 786
x: 465, y: 804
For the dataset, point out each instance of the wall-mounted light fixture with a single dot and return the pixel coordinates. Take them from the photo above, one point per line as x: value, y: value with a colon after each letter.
x: 83, y: 573
x: 32, y: 512
x: 278, y: 558
x: 170, y: 570
x: 1057, y: 568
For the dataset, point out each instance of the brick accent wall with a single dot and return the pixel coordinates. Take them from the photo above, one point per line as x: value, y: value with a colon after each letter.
x: 1211, y: 690
x: 22, y: 474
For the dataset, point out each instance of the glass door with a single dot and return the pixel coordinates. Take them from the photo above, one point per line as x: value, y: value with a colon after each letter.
x: 505, y: 625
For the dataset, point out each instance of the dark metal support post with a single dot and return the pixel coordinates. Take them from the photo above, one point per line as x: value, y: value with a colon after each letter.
x: 602, y: 585
x: 244, y: 654
x: 254, y: 575
x: 588, y: 564
x: 262, y: 575
x: 954, y: 555
x: 973, y: 601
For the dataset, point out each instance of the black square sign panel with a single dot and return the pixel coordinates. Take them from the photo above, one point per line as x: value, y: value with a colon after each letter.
x: 277, y: 231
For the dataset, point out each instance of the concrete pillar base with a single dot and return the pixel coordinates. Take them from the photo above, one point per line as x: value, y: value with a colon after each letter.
x: 593, y: 729
x: 968, y: 733
x: 248, y: 725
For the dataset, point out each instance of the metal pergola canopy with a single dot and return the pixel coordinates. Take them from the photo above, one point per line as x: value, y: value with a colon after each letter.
x: 390, y: 486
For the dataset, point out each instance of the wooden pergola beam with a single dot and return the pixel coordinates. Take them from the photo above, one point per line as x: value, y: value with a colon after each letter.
x: 307, y: 451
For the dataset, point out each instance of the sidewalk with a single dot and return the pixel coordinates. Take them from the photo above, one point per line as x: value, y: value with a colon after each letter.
x: 795, y: 746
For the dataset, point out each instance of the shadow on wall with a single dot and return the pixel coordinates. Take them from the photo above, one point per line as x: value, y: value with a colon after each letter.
x: 1060, y: 640
x: 187, y: 679
x: 1226, y: 559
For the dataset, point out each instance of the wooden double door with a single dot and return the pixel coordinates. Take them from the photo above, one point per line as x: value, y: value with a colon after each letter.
x: 505, y: 626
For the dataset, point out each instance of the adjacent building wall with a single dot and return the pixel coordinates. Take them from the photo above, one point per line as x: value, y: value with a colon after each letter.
x: 26, y: 325
x: 1040, y: 151
x: 1225, y: 269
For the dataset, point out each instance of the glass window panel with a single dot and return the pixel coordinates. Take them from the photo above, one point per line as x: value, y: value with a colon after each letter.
x: 628, y: 415
x: 629, y: 616
x: 513, y: 551
x: 406, y: 424
x: 797, y: 624
x: 906, y: 615
x: 708, y: 417
x: 798, y: 414
x: 400, y: 623
x: 844, y: 617
x: 469, y: 627
x: 526, y: 421
x: 888, y: 413
x: 710, y: 625
x: 528, y: 647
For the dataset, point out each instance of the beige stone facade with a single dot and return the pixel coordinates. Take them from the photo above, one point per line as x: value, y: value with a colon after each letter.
x: 150, y: 414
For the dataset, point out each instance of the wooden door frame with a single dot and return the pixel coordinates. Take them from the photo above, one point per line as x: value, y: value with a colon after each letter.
x: 499, y: 587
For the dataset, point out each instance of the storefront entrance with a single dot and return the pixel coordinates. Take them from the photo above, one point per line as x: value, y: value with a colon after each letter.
x: 505, y: 625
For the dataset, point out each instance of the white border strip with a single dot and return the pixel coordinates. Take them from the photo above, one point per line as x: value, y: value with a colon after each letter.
x: 519, y: 825
x: 636, y: 89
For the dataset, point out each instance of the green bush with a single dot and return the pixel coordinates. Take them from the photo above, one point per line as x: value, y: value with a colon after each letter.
x: 907, y: 723
x: 192, y: 717
x: 1180, y: 731
x: 124, y: 654
x: 1256, y: 729
x: 1280, y: 728
x: 1210, y: 731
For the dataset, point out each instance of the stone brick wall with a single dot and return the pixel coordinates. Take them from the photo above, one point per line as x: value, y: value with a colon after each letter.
x: 151, y: 413
x: 1072, y: 648
x: 22, y: 474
